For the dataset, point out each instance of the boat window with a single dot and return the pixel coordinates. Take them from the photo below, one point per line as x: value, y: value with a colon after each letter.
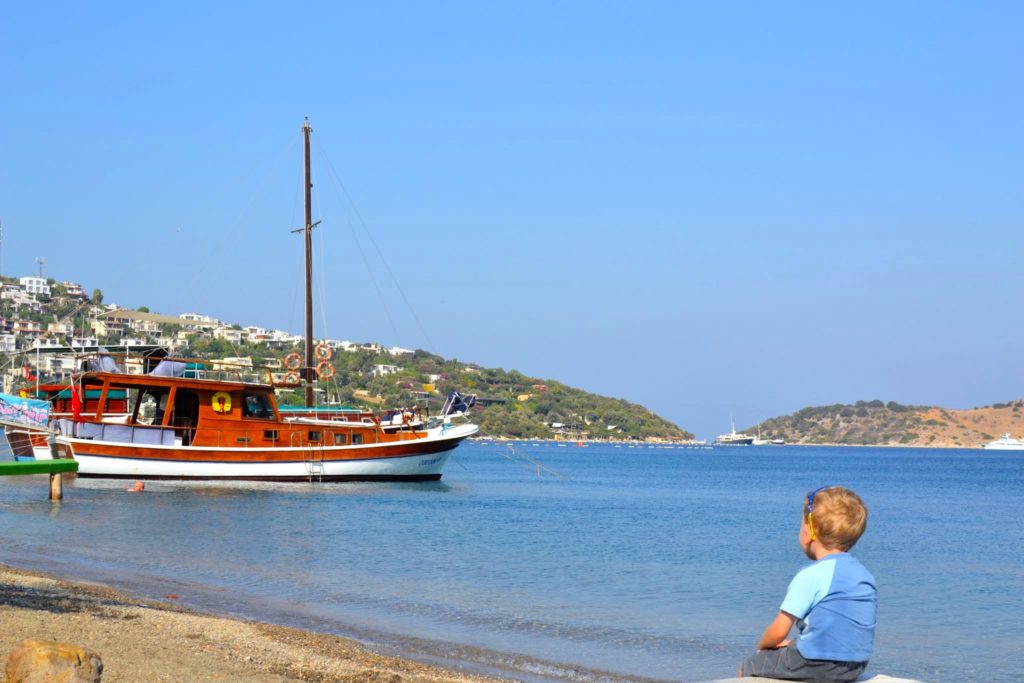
x: 270, y: 435
x: 151, y: 407
x: 186, y: 409
x: 357, y: 439
x: 339, y: 439
x: 256, y: 405
x: 314, y: 436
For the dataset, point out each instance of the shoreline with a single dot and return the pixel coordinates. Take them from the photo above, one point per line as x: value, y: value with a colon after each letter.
x: 151, y: 640
x: 711, y: 444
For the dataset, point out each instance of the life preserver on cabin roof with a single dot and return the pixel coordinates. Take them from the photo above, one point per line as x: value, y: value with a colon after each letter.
x: 324, y: 352
x: 221, y: 402
x: 293, y: 361
x: 291, y: 378
x: 324, y: 370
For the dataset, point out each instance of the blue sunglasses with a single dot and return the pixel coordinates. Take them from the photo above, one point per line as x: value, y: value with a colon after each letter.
x: 811, y: 495
x: 810, y: 508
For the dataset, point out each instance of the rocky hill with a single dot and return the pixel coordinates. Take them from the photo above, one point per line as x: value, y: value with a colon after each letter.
x: 892, y: 424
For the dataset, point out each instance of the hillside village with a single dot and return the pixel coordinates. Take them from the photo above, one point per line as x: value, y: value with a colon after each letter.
x: 41, y: 315
x: 44, y: 322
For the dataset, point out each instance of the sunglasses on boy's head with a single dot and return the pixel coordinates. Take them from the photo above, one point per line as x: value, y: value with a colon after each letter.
x: 810, y: 508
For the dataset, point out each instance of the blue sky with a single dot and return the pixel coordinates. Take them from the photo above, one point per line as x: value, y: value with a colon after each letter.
x: 711, y: 210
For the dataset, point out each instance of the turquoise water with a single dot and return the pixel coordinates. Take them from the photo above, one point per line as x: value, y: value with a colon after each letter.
x: 652, y: 563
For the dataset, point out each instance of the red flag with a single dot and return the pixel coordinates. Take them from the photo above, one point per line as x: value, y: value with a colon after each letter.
x: 76, y: 404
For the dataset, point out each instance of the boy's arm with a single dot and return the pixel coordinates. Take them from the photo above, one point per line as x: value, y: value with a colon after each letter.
x: 775, y: 635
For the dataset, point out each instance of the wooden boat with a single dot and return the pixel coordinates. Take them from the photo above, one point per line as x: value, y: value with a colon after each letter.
x: 187, y: 428
x: 194, y: 425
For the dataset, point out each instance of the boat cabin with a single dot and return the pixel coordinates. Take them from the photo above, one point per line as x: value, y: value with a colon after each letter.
x: 181, y: 411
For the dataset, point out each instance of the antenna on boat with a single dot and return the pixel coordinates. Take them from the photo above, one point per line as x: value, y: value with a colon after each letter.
x: 307, y: 371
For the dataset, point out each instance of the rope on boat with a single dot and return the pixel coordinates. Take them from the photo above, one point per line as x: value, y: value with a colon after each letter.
x: 516, y: 456
x: 380, y: 254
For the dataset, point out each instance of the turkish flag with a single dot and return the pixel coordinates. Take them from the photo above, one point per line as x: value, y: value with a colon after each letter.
x: 76, y: 403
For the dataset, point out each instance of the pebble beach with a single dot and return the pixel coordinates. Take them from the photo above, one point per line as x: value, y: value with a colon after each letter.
x: 141, y: 640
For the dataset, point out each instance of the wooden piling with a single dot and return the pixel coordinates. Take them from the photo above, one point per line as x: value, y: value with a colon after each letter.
x: 56, y: 485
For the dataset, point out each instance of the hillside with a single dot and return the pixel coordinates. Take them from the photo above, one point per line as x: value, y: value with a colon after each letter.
x: 893, y: 424
x: 510, y: 404
x: 366, y: 375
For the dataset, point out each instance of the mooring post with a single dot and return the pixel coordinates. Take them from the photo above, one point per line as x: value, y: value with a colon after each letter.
x: 56, y: 485
x: 56, y: 478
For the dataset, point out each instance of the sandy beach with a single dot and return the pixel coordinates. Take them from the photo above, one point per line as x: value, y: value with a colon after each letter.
x: 141, y: 640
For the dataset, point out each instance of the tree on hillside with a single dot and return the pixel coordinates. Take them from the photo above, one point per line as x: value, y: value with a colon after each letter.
x: 97, y: 296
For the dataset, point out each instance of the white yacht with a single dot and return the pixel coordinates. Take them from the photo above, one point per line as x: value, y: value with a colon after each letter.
x: 734, y: 439
x: 1006, y: 443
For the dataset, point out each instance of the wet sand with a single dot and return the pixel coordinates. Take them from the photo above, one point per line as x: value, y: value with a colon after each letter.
x: 142, y: 640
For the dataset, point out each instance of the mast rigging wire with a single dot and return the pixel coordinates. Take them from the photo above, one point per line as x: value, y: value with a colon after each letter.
x: 373, y: 242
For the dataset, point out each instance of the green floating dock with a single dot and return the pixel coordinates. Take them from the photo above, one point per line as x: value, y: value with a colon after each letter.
x: 55, y: 468
x: 38, y: 467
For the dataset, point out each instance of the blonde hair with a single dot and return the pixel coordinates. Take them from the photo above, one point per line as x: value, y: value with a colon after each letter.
x: 838, y: 517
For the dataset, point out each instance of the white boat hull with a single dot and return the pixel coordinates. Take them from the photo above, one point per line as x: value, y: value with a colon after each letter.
x: 996, y: 446
x: 413, y: 467
x: 423, y: 460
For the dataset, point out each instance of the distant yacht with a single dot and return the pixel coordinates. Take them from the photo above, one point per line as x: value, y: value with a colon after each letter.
x: 1006, y: 443
x: 734, y: 439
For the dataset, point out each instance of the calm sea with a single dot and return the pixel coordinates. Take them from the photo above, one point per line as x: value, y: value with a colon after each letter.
x: 546, y: 562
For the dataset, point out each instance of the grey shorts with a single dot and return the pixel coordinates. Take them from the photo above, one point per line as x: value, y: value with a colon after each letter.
x: 788, y: 664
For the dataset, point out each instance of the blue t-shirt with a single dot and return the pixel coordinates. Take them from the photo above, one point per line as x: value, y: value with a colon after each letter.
x: 835, y: 601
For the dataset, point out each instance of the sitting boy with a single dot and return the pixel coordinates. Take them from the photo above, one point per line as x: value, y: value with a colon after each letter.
x: 832, y: 601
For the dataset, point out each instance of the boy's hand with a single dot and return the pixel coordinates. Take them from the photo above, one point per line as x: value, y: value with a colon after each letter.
x: 783, y: 644
x: 775, y: 635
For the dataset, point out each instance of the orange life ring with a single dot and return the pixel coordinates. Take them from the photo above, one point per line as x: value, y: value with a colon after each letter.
x: 221, y: 402
x: 324, y: 352
x: 293, y: 361
x: 324, y: 370
x: 291, y: 378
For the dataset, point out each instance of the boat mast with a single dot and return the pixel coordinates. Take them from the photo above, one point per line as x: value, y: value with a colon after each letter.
x: 309, y: 267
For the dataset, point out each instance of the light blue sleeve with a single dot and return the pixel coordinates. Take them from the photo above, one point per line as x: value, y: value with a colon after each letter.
x: 807, y: 588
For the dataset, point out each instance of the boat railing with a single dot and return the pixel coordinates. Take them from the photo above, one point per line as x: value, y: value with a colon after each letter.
x: 179, y: 366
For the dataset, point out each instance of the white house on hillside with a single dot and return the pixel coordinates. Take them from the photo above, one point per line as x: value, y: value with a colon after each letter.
x: 74, y: 289
x: 85, y: 342
x: 46, y: 343
x: 228, y: 334
x: 35, y: 285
